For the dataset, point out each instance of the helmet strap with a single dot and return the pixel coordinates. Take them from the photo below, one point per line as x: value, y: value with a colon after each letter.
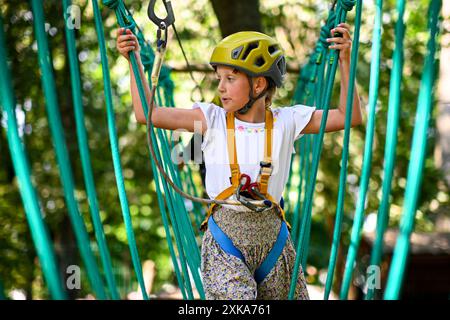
x: 252, y: 99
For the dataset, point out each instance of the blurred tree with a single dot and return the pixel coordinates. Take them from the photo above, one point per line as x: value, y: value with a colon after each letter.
x: 235, y: 15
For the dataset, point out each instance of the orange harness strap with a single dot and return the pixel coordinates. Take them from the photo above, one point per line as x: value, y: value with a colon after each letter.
x: 266, y: 165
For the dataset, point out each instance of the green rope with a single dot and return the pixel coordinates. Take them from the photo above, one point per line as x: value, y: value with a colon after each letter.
x: 311, y: 78
x: 28, y: 193
x: 305, y: 247
x: 342, y: 8
x: 180, y: 222
x: 179, y: 238
x: 345, y: 151
x: 391, y: 141
x: 418, y: 153
x: 182, y: 228
x: 167, y: 231
x: 181, y: 219
x: 115, y: 153
x: 166, y: 223
x: 85, y: 155
x: 2, y: 291
x: 298, y: 203
x: 367, y: 162
x: 315, y: 69
x: 62, y: 156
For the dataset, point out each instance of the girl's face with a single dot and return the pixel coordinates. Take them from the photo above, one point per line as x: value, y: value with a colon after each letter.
x: 233, y: 88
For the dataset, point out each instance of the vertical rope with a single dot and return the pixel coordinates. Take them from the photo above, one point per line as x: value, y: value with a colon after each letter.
x: 62, y: 155
x: 367, y: 162
x: 28, y: 193
x: 416, y: 163
x: 345, y: 152
x: 85, y: 155
x: 115, y: 153
x: 391, y: 141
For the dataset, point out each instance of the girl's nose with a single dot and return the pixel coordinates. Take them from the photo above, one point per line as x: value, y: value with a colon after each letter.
x: 221, y: 86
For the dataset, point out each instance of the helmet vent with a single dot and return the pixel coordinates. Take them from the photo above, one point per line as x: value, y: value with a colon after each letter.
x: 272, y: 49
x: 282, y: 66
x: 260, y: 62
x: 251, y: 46
x: 236, y: 52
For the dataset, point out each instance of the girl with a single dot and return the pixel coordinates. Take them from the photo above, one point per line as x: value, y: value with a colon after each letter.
x: 247, y: 252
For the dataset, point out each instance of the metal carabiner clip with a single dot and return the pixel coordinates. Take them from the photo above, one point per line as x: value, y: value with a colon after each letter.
x: 167, y: 21
x: 162, y: 24
x: 246, y: 185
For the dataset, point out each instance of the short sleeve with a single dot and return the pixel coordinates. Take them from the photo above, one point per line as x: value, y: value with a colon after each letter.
x: 301, y: 115
x: 210, y: 112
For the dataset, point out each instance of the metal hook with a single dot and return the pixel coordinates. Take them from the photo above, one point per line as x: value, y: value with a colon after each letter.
x: 244, y: 183
x: 168, y: 20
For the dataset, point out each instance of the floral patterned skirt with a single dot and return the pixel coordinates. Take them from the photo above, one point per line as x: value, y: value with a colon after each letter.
x: 226, y: 277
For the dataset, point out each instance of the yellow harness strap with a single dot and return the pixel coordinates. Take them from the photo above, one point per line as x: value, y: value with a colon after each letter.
x: 266, y: 169
x: 265, y: 172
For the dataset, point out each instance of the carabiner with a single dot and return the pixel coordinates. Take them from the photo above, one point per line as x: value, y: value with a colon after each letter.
x: 245, y: 182
x: 245, y: 185
x: 255, y: 190
x: 170, y: 19
x: 162, y: 24
x: 246, y: 203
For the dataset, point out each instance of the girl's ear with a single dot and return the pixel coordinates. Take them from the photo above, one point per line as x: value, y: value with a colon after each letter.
x: 260, y: 84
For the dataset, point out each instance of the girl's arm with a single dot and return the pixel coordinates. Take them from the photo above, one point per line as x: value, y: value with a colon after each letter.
x: 336, y: 117
x: 165, y: 118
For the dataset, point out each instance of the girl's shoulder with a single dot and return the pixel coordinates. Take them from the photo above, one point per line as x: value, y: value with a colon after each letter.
x: 292, y: 113
x: 215, y: 116
x: 290, y: 110
x: 209, y: 109
x: 294, y: 117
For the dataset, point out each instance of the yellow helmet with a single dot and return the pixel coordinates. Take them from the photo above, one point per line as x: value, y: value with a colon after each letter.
x: 252, y: 52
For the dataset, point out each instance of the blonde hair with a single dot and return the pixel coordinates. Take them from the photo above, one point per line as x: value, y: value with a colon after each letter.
x: 271, y: 90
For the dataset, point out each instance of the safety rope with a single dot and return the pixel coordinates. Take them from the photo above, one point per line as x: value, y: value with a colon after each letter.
x: 28, y: 193
x: 393, y: 118
x: 341, y: 12
x: 345, y: 151
x: 416, y: 163
x: 2, y: 291
x: 188, y: 252
x: 358, y: 218
x: 85, y: 155
x: 57, y: 133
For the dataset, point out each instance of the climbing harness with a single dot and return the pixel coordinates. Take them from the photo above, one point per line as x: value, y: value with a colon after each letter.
x: 243, y: 187
x: 242, y: 182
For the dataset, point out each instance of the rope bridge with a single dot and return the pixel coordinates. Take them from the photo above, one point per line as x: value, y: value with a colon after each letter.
x: 314, y: 87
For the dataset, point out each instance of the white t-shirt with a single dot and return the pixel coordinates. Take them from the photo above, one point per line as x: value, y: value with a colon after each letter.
x: 250, y: 140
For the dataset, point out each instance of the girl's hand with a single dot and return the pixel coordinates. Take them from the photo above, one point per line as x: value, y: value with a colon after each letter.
x: 344, y: 43
x: 126, y: 42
